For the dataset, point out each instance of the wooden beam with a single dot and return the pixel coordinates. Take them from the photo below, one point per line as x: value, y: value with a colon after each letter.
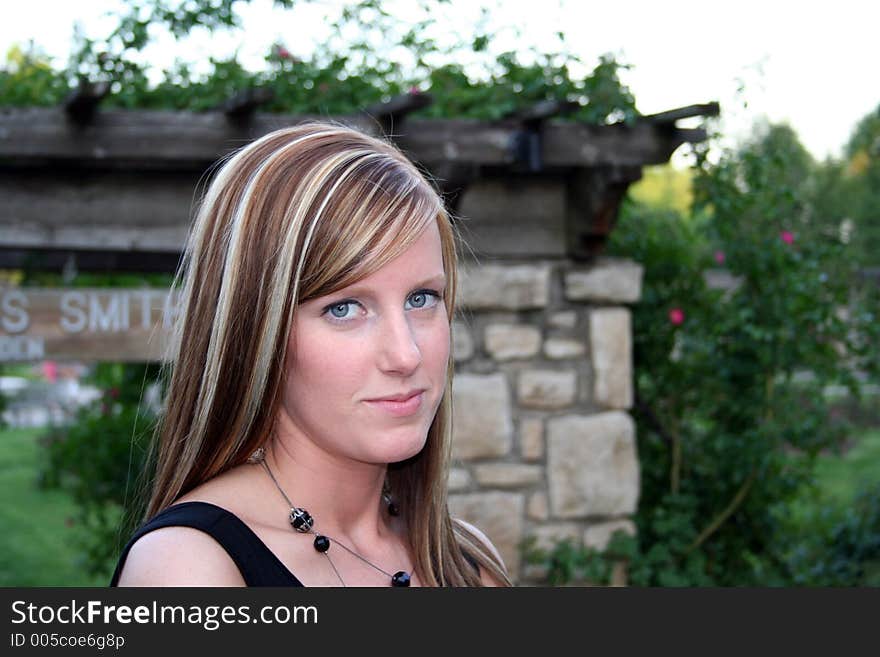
x: 69, y: 209
x: 39, y: 258
x: 673, y: 115
x: 184, y: 140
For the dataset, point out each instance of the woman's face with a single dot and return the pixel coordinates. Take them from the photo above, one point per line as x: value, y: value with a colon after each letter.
x: 367, y: 365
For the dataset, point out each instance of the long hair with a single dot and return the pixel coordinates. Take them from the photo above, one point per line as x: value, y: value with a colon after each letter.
x: 299, y: 213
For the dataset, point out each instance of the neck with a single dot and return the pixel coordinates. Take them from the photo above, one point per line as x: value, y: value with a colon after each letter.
x: 343, y: 496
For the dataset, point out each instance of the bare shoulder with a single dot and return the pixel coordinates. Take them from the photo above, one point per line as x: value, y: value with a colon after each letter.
x: 179, y: 556
x: 488, y: 579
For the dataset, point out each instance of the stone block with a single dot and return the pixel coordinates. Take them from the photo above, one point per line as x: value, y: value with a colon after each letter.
x: 531, y: 438
x: 563, y: 348
x: 608, y: 280
x: 459, y: 479
x: 462, y: 341
x: 482, y: 423
x: 592, y: 465
x: 611, y: 354
x: 547, y: 389
x: 509, y: 341
x: 507, y: 475
x: 499, y: 515
x: 505, y: 287
x: 537, y: 507
x: 566, y: 319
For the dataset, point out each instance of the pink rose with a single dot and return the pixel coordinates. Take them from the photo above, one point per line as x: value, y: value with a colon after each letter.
x: 50, y: 371
x: 787, y: 237
x: 676, y: 316
x: 719, y: 257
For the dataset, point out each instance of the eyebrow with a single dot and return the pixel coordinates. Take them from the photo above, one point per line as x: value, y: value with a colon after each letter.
x: 357, y: 289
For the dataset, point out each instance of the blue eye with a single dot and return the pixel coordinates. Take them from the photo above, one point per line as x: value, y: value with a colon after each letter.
x: 423, y: 299
x: 342, y: 310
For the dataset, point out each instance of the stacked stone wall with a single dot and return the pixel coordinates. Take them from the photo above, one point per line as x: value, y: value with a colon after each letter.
x: 544, y: 445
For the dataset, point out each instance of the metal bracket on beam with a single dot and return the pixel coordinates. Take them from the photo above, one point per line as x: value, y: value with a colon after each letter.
x: 526, y: 142
x: 81, y: 104
x: 393, y: 112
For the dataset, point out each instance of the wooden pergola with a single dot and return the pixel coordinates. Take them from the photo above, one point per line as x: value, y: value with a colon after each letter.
x: 114, y: 189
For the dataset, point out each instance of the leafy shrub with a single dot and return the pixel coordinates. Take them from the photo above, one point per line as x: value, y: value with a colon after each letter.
x: 100, y: 458
x: 730, y: 404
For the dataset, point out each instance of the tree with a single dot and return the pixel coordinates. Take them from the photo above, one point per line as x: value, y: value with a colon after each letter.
x: 848, y: 192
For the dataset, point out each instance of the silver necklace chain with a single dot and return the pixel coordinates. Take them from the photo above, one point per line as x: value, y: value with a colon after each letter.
x: 312, y: 531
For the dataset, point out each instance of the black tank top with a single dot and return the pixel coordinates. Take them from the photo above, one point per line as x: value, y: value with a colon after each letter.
x: 257, y: 563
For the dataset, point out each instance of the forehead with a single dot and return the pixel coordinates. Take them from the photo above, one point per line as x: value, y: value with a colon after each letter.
x: 423, y: 259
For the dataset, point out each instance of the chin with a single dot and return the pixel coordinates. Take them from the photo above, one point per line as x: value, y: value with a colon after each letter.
x: 405, y: 447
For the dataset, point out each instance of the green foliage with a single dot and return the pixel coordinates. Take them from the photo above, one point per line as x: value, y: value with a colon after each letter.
x: 731, y: 406
x: 28, y: 79
x: 835, y: 546
x: 567, y: 563
x: 99, y: 458
x: 345, y: 77
x: 848, y: 192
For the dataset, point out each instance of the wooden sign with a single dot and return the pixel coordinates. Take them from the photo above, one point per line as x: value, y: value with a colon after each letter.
x: 109, y: 324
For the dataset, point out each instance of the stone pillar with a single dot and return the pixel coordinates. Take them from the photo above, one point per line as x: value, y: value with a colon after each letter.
x: 543, y: 443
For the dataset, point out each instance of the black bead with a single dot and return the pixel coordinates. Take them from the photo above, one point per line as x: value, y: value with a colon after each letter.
x: 301, y: 520
x: 322, y: 543
x: 400, y: 578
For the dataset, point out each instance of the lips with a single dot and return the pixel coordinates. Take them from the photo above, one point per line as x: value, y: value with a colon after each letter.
x: 398, y: 398
x: 400, y: 405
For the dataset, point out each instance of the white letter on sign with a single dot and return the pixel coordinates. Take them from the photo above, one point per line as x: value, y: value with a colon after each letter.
x: 15, y: 317
x: 77, y: 321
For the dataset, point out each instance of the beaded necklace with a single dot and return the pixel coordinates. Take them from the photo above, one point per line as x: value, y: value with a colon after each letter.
x: 302, y: 521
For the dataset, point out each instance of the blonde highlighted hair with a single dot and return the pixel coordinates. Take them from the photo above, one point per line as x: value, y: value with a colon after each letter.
x: 299, y: 213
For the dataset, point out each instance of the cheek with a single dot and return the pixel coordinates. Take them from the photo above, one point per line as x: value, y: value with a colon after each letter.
x: 325, y: 365
x: 435, y: 345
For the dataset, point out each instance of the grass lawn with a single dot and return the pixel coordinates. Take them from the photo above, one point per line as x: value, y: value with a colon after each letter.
x: 39, y: 542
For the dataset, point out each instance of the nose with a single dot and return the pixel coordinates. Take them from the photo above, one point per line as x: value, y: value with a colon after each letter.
x: 399, y: 351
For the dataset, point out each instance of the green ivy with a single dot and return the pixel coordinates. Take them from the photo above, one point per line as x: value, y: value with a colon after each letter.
x: 344, y: 80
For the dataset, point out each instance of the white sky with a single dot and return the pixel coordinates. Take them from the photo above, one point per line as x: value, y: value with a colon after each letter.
x: 813, y: 64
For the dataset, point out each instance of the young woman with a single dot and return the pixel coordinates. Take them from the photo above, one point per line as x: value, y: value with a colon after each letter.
x: 307, y: 425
